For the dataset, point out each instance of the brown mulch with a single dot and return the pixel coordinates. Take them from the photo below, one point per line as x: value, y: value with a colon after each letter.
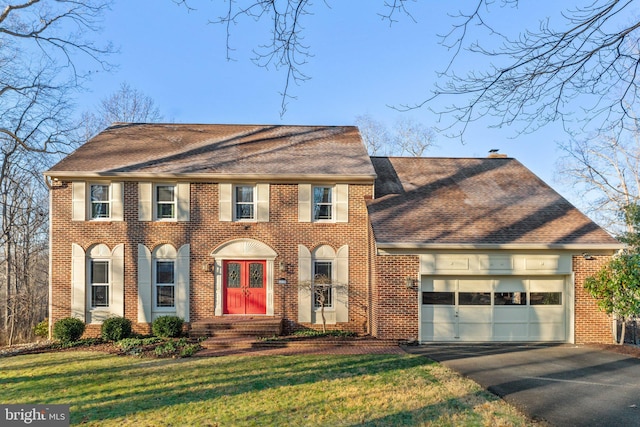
x: 627, y: 349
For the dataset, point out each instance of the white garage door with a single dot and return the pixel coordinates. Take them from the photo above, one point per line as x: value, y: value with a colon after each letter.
x: 493, y: 309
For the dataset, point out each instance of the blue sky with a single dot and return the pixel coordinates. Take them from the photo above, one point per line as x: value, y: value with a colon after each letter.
x: 361, y: 65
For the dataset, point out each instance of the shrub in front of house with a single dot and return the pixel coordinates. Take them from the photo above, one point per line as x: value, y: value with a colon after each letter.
x: 68, y: 329
x: 167, y: 326
x: 115, y: 329
x: 41, y: 330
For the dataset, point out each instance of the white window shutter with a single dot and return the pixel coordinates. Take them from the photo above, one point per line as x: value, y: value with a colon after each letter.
x: 78, y: 282
x: 144, y: 284
x: 117, y: 201
x: 184, y: 196
x: 304, y: 284
x: 342, y: 291
x: 304, y: 202
x: 225, y: 199
x: 145, y: 201
x: 342, y: 202
x: 78, y: 201
x: 262, y: 205
x: 182, y: 282
x: 117, y: 281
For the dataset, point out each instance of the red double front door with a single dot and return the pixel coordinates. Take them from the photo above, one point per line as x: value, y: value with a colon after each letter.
x: 245, y: 287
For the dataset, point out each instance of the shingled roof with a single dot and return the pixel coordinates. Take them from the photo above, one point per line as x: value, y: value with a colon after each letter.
x: 476, y: 202
x: 130, y: 149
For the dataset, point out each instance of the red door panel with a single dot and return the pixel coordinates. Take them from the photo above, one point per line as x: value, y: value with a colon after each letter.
x: 245, y: 287
x: 256, y: 293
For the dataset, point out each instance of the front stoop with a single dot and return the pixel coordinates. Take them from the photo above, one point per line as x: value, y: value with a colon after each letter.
x: 232, y: 327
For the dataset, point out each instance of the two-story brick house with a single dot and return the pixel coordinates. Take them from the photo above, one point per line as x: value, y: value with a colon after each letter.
x: 204, y: 221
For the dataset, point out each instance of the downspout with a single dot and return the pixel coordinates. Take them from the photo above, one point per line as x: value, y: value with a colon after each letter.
x: 50, y: 308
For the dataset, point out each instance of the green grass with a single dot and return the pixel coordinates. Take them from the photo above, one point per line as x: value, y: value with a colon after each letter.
x: 369, y: 390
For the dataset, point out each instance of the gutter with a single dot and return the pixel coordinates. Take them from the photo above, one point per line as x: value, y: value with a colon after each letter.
x: 208, y: 177
x: 390, y: 246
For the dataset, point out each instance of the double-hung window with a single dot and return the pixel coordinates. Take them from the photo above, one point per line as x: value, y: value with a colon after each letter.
x: 165, y: 198
x: 100, y: 201
x: 322, y: 284
x: 322, y: 203
x: 244, y: 200
x: 99, y: 283
x: 165, y: 284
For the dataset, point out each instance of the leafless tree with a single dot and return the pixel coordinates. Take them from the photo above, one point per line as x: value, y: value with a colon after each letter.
x: 412, y: 138
x: 586, y: 61
x: 374, y: 134
x: 24, y: 249
x: 579, y: 59
x: 606, y: 169
x: 408, y: 137
x: 40, y: 45
x: 127, y: 104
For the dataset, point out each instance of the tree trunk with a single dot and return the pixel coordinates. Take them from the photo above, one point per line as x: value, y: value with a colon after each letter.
x: 622, y: 332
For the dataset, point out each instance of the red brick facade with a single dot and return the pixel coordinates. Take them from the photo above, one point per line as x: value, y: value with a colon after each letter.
x: 380, y: 302
x: 204, y: 232
x: 591, y: 324
x: 396, y: 311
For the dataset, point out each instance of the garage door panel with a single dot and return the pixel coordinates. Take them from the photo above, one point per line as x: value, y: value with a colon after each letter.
x: 475, y: 285
x: 502, y: 314
x: 546, y: 285
x: 545, y: 332
x: 494, y: 309
x: 510, y: 332
x: 440, y: 285
x: 438, y: 323
x: 438, y: 314
x: 444, y: 331
x: 474, y: 314
x: 475, y: 331
x: 546, y: 314
x: 510, y: 285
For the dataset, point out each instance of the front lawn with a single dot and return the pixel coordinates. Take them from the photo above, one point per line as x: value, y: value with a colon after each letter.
x: 370, y: 390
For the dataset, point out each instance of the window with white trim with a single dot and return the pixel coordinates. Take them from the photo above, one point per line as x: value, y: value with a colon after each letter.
x: 99, y: 276
x: 165, y: 284
x: 323, y: 203
x: 100, y: 201
x: 165, y: 201
x: 244, y: 197
x: 323, y: 284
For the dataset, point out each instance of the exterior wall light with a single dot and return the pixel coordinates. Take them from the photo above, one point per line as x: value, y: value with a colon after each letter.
x: 410, y: 282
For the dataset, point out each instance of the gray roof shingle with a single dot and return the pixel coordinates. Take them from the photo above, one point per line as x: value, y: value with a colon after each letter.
x: 221, y: 150
x: 492, y: 201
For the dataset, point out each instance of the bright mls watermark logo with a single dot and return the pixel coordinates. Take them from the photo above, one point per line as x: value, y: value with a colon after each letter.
x: 34, y: 415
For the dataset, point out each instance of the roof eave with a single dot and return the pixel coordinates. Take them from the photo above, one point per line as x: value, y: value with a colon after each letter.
x: 391, y: 246
x: 207, y: 177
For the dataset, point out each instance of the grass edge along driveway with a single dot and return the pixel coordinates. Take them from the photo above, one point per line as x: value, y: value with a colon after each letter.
x: 370, y: 390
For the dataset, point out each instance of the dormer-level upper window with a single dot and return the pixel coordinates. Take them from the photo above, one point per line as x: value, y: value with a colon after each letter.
x: 322, y: 203
x: 244, y: 202
x: 100, y: 201
x: 165, y: 201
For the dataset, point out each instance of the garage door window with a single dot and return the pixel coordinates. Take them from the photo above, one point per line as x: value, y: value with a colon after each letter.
x: 474, y: 298
x: 510, y: 298
x: 438, y: 298
x: 545, y: 298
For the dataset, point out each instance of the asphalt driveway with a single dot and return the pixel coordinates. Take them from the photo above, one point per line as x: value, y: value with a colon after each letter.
x: 564, y: 385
